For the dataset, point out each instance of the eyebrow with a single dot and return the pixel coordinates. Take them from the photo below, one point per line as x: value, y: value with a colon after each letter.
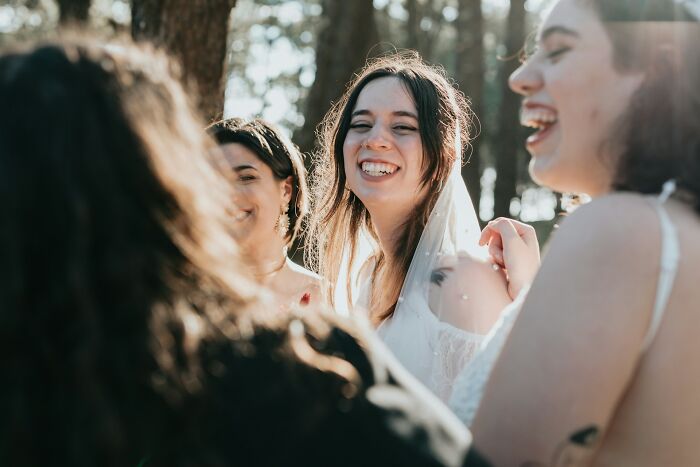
x: 241, y: 168
x: 557, y: 30
x: 398, y: 113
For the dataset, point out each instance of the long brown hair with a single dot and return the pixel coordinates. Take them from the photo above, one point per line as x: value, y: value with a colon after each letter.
x: 114, y: 245
x: 339, y: 217
x: 659, y: 134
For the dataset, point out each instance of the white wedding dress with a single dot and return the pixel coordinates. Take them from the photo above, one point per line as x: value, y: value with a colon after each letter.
x: 433, y: 350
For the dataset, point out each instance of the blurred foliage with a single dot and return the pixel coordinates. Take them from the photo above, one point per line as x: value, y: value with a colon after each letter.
x: 271, y: 62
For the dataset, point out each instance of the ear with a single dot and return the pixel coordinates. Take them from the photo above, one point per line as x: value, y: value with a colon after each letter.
x: 286, y: 186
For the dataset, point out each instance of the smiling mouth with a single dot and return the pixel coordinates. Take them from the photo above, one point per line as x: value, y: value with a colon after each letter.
x: 543, y: 120
x: 540, y: 119
x: 378, y: 169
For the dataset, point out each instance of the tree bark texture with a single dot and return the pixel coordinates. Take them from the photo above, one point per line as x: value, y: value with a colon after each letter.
x: 470, y: 78
x: 195, y: 33
x: 344, y: 44
x: 73, y: 11
x: 508, y: 140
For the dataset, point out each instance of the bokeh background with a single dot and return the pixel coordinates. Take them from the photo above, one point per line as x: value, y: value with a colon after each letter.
x: 288, y: 60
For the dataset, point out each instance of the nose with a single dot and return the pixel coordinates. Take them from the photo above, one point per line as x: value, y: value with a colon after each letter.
x: 526, y: 80
x: 377, y: 139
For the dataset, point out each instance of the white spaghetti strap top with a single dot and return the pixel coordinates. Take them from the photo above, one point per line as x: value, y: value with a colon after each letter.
x: 670, y: 255
x: 470, y: 384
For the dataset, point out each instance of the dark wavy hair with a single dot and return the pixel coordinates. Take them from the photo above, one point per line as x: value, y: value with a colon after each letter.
x: 339, y: 217
x: 114, y: 248
x: 660, y: 132
x: 273, y: 149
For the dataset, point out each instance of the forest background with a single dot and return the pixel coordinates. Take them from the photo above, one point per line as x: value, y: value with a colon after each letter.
x: 287, y: 61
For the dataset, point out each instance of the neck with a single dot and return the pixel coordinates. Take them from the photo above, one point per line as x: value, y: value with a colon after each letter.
x: 601, y: 183
x: 389, y: 225
x: 265, y: 258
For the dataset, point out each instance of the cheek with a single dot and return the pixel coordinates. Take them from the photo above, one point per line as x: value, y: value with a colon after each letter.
x: 242, y: 196
x: 413, y: 160
x: 350, y: 148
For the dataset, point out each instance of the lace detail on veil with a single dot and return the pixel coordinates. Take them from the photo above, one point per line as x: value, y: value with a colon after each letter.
x: 454, y: 350
x: 431, y: 348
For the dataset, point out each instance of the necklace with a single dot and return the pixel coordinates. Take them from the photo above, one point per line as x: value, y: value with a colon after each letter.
x: 274, y: 271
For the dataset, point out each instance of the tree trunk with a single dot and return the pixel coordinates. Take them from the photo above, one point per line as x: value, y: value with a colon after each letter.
x: 73, y: 11
x: 413, y: 33
x: 194, y: 32
x: 417, y: 38
x: 343, y: 46
x: 508, y: 140
x: 470, y: 77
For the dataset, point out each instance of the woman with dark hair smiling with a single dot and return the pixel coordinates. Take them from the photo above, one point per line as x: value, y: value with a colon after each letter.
x: 597, y: 369
x: 271, y: 200
x: 392, y: 215
x: 130, y: 335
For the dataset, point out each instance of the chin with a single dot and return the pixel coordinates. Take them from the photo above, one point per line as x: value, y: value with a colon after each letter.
x: 546, y: 172
x: 375, y: 197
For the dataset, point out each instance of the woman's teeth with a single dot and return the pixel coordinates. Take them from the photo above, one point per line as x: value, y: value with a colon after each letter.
x: 537, y: 118
x: 378, y: 169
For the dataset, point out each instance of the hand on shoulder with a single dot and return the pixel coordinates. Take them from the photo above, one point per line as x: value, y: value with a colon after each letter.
x: 513, y: 246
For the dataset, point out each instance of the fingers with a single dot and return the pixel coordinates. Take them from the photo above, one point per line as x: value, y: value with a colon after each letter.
x: 486, y: 235
x: 505, y: 228
x: 508, y: 227
x: 496, y: 249
x: 492, y: 237
x: 505, y: 234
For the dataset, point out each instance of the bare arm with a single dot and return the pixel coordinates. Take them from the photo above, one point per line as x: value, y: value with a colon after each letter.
x: 574, y: 347
x: 471, y: 294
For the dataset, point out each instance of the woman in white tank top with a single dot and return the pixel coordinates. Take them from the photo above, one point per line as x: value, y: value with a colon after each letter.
x: 593, y: 364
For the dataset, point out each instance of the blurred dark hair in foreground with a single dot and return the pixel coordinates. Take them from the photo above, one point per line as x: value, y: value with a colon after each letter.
x: 128, y: 336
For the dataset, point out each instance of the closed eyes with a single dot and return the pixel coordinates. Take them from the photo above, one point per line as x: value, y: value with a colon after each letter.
x: 555, y: 54
x: 367, y: 126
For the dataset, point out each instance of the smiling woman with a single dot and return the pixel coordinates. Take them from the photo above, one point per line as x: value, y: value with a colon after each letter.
x: 592, y: 370
x: 270, y: 198
x: 389, y: 172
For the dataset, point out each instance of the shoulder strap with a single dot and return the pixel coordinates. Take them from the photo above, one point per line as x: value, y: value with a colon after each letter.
x: 670, y: 254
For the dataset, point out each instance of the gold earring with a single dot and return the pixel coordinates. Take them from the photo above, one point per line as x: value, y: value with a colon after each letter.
x: 282, y: 225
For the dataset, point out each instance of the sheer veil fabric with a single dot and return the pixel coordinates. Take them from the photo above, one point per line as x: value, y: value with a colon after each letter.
x: 419, y: 332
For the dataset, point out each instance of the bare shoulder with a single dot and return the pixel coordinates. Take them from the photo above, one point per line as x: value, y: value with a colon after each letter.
x: 603, y: 264
x: 304, y: 275
x: 472, y: 293
x: 610, y: 227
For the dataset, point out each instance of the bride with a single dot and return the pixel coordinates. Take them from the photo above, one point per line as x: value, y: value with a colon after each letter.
x: 394, y: 229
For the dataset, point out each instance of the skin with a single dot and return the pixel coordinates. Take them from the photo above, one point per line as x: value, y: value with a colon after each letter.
x: 587, y: 105
x: 259, y: 196
x: 460, y: 281
x: 385, y: 128
x: 572, y: 386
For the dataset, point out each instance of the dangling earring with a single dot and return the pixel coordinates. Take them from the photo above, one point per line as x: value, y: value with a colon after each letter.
x: 282, y: 225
